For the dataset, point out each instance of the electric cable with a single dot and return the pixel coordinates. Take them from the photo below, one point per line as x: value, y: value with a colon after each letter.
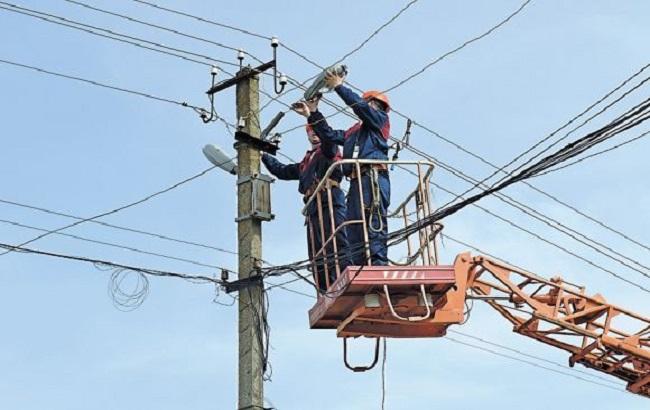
x: 113, y: 35
x: 116, y: 210
x: 119, y: 227
x: 201, y: 19
x: 99, y: 84
x: 109, y: 264
x: 594, y: 154
x: 507, y: 356
x: 563, y: 366
x: 115, y: 245
x: 156, y: 26
x: 572, y: 120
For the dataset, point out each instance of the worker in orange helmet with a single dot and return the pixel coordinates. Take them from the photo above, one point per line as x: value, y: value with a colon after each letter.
x: 310, y: 172
x: 367, y: 139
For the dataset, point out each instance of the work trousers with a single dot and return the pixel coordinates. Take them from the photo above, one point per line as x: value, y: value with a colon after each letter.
x: 325, y: 263
x: 376, y: 201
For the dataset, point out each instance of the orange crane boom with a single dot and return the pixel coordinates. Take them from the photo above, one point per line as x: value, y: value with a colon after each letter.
x: 597, y: 334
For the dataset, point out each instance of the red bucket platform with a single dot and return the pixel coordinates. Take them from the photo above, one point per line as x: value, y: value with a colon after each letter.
x: 388, y: 301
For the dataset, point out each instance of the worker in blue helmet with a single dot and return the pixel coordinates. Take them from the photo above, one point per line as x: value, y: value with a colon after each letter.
x: 367, y: 139
x: 321, y: 219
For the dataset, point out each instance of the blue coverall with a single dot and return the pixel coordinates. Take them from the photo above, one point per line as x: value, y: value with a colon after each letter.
x: 309, y: 172
x: 369, y: 139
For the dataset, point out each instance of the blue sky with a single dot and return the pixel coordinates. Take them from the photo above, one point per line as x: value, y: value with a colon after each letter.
x: 79, y: 149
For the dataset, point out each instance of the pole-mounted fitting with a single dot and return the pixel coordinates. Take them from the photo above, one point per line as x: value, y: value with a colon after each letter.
x: 240, y: 57
x: 282, y: 78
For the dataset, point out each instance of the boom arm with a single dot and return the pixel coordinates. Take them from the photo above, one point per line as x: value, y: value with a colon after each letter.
x: 597, y: 334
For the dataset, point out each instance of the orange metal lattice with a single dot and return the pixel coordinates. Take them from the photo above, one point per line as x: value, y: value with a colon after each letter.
x: 597, y: 334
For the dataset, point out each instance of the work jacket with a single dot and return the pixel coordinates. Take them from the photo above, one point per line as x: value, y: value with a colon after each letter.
x: 310, y: 171
x: 370, y: 135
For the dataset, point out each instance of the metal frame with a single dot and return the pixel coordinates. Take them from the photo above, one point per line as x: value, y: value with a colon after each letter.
x: 418, y: 199
x: 599, y: 335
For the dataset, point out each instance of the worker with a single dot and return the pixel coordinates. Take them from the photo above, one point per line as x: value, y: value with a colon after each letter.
x: 310, y: 172
x: 367, y: 139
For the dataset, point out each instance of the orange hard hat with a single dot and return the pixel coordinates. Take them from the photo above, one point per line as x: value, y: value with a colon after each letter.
x: 377, y: 95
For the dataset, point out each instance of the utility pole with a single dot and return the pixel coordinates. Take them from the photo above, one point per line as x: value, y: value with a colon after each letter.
x: 249, y: 238
x: 253, y: 207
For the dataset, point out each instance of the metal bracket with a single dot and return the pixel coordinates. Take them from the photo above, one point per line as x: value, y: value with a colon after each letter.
x: 240, y: 284
x: 357, y: 369
x: 260, y: 144
x: 248, y: 73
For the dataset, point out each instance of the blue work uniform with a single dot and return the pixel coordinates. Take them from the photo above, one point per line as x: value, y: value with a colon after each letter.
x: 309, y: 172
x: 367, y: 139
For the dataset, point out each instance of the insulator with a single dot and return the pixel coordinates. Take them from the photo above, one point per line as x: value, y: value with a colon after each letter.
x: 274, y: 42
x: 283, y: 79
x: 242, y: 122
x: 214, y: 70
x: 240, y: 54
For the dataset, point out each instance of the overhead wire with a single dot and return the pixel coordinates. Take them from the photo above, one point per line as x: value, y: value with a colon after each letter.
x: 460, y: 47
x: 507, y: 356
x: 122, y: 299
x: 100, y: 84
x: 109, y: 264
x: 595, y: 154
x: 118, y: 209
x: 363, y: 43
x: 565, y: 125
x: 116, y: 245
x: 153, y: 25
x: 593, y: 244
x: 119, y: 227
x: 113, y: 35
x: 531, y: 356
x: 201, y: 19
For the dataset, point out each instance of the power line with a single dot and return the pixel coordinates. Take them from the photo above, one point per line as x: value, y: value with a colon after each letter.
x: 113, y: 211
x: 565, y: 125
x: 122, y: 228
x: 115, y: 245
x: 551, y: 222
x: 634, y: 117
x: 596, y: 154
x: 153, y: 25
x: 539, y: 237
x: 204, y: 20
x: 123, y: 38
x: 99, y: 84
x: 507, y: 356
x: 457, y: 49
x: 482, y: 340
x: 115, y: 265
x: 349, y: 53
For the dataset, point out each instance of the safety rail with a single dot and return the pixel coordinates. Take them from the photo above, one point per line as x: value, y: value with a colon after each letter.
x: 414, y: 207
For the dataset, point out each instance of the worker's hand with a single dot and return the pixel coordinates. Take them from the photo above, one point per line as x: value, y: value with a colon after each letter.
x: 333, y: 80
x: 302, y: 108
x: 313, y: 103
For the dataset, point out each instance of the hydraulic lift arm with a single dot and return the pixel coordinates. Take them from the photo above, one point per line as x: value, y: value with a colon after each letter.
x: 595, y: 333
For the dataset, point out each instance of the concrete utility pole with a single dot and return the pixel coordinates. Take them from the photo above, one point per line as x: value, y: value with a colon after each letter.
x: 249, y: 237
x: 253, y: 207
